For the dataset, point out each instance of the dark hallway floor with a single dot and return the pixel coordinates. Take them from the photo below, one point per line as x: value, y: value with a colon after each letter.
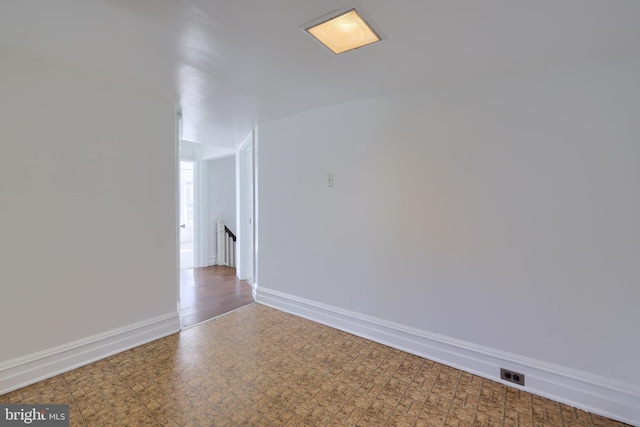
x: 209, y: 292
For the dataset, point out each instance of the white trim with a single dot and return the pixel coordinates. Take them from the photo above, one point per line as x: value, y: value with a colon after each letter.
x: 254, y: 291
x: 189, y: 151
x: 176, y: 208
x: 612, y: 399
x: 26, y: 370
x: 245, y: 213
x: 213, y: 260
x: 256, y: 214
x: 200, y: 224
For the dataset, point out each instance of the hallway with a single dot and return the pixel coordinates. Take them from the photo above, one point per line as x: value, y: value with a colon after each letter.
x: 209, y: 292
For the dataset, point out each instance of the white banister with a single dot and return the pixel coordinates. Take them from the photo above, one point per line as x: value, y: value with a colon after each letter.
x: 226, y: 244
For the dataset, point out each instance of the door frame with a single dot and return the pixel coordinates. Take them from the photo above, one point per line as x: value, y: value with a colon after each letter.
x: 190, y: 152
x: 193, y: 230
x: 245, y: 208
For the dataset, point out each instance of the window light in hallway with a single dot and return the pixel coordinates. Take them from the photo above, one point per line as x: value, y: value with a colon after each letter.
x: 344, y: 32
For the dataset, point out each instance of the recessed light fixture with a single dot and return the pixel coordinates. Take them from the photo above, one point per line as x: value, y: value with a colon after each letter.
x: 344, y: 32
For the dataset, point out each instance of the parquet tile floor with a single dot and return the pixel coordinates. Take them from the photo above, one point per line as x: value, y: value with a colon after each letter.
x: 258, y: 366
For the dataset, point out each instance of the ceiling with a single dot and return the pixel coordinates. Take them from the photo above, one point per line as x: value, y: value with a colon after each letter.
x: 232, y: 64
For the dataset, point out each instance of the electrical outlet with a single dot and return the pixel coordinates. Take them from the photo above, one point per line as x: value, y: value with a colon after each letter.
x: 512, y: 377
x: 329, y: 180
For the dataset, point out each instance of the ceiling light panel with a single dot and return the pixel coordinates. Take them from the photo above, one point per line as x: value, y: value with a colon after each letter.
x: 344, y: 32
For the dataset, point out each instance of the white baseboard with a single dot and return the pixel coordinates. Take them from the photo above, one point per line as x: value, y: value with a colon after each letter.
x: 213, y: 260
x: 35, y: 367
x: 591, y: 393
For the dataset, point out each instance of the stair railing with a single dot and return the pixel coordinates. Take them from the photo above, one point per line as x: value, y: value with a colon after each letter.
x: 226, y: 245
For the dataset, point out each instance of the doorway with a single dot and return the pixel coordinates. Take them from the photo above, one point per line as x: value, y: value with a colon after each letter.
x: 186, y: 212
x: 208, y: 287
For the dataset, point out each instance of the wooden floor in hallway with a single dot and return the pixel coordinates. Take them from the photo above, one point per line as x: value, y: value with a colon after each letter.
x: 209, y: 292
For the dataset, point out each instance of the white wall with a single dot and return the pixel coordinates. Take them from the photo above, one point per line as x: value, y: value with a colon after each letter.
x: 87, y: 182
x: 221, y: 197
x: 501, y: 213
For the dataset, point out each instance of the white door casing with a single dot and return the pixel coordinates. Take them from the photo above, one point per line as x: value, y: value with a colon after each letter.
x: 245, y: 216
